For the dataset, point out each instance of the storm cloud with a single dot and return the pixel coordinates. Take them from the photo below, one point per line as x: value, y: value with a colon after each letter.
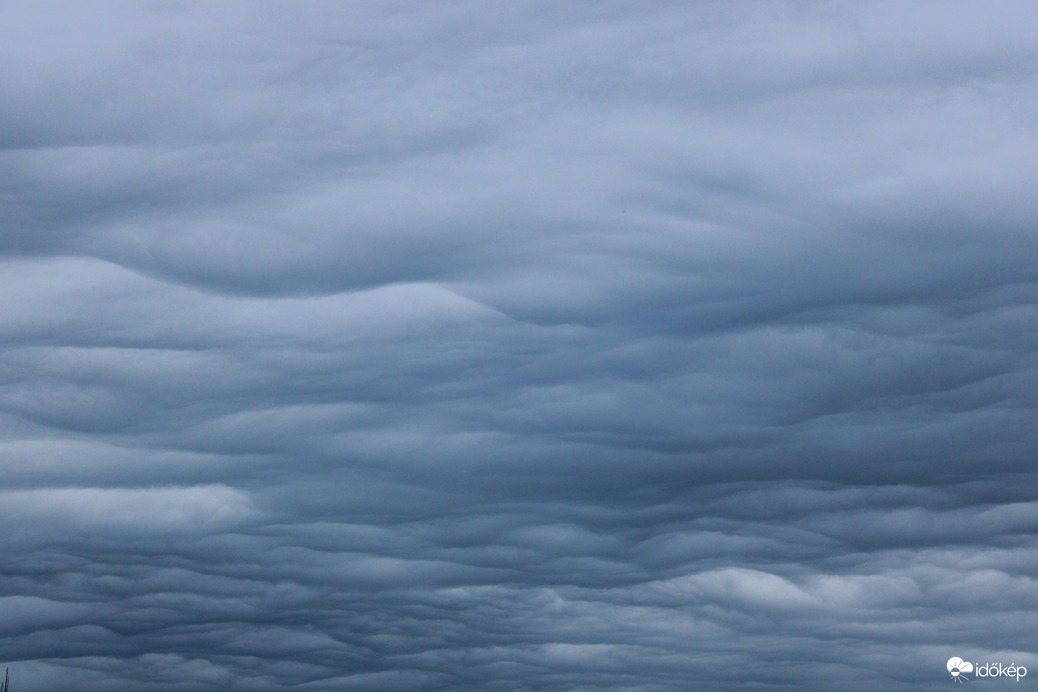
x: 517, y: 346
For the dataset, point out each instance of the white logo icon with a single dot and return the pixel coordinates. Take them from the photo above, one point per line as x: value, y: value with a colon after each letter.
x: 956, y: 666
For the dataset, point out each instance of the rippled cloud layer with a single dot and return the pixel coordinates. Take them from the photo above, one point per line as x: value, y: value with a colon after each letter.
x: 498, y: 346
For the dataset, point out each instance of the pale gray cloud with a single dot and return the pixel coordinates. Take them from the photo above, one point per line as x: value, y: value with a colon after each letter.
x: 516, y: 347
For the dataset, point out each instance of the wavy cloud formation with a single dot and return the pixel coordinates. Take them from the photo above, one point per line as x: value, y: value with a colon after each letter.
x: 501, y: 346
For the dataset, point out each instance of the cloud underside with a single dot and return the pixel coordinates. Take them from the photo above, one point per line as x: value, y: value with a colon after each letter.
x: 517, y: 347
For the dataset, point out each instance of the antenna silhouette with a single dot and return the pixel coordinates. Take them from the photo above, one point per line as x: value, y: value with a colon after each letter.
x: 7, y: 671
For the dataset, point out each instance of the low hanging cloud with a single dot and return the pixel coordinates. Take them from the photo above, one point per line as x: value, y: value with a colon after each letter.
x: 517, y: 346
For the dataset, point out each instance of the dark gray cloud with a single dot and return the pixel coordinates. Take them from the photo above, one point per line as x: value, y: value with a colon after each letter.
x: 501, y: 346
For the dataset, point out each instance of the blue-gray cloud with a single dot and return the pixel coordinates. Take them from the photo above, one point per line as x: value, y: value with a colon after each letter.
x: 516, y: 347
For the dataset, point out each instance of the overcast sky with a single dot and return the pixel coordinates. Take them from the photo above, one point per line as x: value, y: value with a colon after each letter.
x: 517, y: 346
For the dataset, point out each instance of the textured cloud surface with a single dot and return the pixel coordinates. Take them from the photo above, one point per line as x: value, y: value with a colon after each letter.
x: 517, y: 346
